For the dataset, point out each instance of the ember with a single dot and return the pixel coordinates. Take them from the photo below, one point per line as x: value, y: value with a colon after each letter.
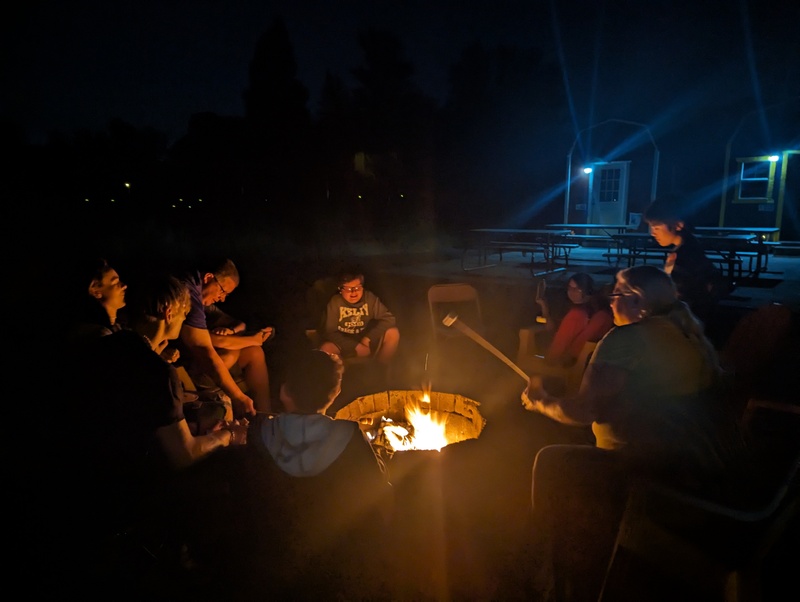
x: 415, y: 420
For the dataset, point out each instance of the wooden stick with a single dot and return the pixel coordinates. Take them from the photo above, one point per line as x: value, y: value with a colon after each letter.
x: 451, y: 319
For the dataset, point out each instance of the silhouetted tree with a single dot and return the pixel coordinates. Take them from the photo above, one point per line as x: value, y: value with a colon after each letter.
x: 393, y: 121
x: 496, y: 132
x: 277, y: 113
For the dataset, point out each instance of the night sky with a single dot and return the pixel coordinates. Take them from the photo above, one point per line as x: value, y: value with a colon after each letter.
x: 72, y: 65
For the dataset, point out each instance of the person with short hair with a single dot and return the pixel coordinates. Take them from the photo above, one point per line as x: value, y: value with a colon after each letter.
x: 214, y: 350
x: 357, y: 323
x: 128, y: 445
x: 97, y: 311
x: 322, y: 500
x: 697, y: 279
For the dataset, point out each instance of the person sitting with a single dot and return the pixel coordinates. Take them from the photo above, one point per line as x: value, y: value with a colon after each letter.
x: 588, y: 318
x: 129, y: 442
x: 321, y: 497
x: 214, y: 353
x: 97, y: 312
x: 650, y: 395
x: 697, y: 279
x: 357, y: 323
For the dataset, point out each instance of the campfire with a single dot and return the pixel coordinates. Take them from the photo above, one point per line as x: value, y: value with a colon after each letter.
x: 414, y: 420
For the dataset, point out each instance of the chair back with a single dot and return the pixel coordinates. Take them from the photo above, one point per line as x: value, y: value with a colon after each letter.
x: 458, y: 298
x: 710, y: 549
x: 754, y: 346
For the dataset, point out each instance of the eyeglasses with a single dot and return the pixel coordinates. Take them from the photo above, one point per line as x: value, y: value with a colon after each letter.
x: 625, y: 294
x: 219, y: 284
x: 351, y: 289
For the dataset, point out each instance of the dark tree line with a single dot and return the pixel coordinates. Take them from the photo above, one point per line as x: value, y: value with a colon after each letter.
x: 378, y: 156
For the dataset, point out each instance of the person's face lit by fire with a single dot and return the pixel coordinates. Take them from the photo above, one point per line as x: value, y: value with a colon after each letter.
x: 666, y: 235
x: 216, y: 289
x: 627, y: 305
x: 110, y: 291
x: 352, y: 290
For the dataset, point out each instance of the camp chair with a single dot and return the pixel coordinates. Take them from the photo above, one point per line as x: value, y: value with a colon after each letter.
x: 702, y: 549
x: 755, y: 351
x: 458, y: 298
x: 569, y: 377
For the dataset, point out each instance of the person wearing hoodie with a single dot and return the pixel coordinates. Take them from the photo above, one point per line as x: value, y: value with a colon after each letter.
x: 321, y: 497
x: 357, y: 323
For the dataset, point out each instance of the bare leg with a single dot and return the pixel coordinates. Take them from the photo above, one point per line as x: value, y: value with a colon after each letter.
x: 256, y: 377
x: 389, y: 346
x: 330, y: 348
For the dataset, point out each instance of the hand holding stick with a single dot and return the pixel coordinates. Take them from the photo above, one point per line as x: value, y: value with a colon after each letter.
x: 451, y: 319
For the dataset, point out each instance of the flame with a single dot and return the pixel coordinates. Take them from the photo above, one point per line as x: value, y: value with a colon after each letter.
x: 429, y: 431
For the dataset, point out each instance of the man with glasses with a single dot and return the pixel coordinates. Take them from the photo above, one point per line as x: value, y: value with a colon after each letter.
x: 357, y: 323
x: 214, y: 342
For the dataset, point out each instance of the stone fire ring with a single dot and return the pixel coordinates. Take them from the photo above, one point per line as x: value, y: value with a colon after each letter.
x: 463, y: 421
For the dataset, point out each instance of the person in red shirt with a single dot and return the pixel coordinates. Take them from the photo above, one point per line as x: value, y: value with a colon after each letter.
x: 588, y: 318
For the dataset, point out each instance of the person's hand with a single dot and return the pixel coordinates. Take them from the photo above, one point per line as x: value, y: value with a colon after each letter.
x: 244, y: 405
x: 238, y: 429
x: 170, y: 354
x: 533, y: 396
x: 266, y: 333
x: 362, y: 350
x: 223, y: 331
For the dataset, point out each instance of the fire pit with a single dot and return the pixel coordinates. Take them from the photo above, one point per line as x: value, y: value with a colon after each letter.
x: 414, y: 420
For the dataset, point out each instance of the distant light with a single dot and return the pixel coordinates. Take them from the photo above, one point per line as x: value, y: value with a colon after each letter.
x: 773, y: 158
x: 127, y: 184
x: 587, y: 170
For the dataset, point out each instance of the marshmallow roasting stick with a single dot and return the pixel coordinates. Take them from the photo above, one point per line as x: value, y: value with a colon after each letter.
x: 451, y: 319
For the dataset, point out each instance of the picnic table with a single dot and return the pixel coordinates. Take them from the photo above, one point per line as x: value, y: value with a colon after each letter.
x: 552, y: 243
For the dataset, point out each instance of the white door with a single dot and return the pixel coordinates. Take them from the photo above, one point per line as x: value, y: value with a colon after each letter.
x: 608, y: 193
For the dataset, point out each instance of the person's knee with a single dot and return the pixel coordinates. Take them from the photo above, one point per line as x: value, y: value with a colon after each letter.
x: 229, y: 357
x: 392, y: 335
x: 329, y: 347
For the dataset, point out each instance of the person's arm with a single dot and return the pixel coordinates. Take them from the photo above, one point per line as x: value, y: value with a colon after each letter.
x: 183, y: 449
x: 382, y: 320
x: 546, y: 318
x: 240, y: 340
x: 198, y: 342
x: 602, y: 383
x: 223, y: 323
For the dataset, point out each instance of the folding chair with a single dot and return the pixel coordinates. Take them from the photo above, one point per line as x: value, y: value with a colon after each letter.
x: 458, y: 298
